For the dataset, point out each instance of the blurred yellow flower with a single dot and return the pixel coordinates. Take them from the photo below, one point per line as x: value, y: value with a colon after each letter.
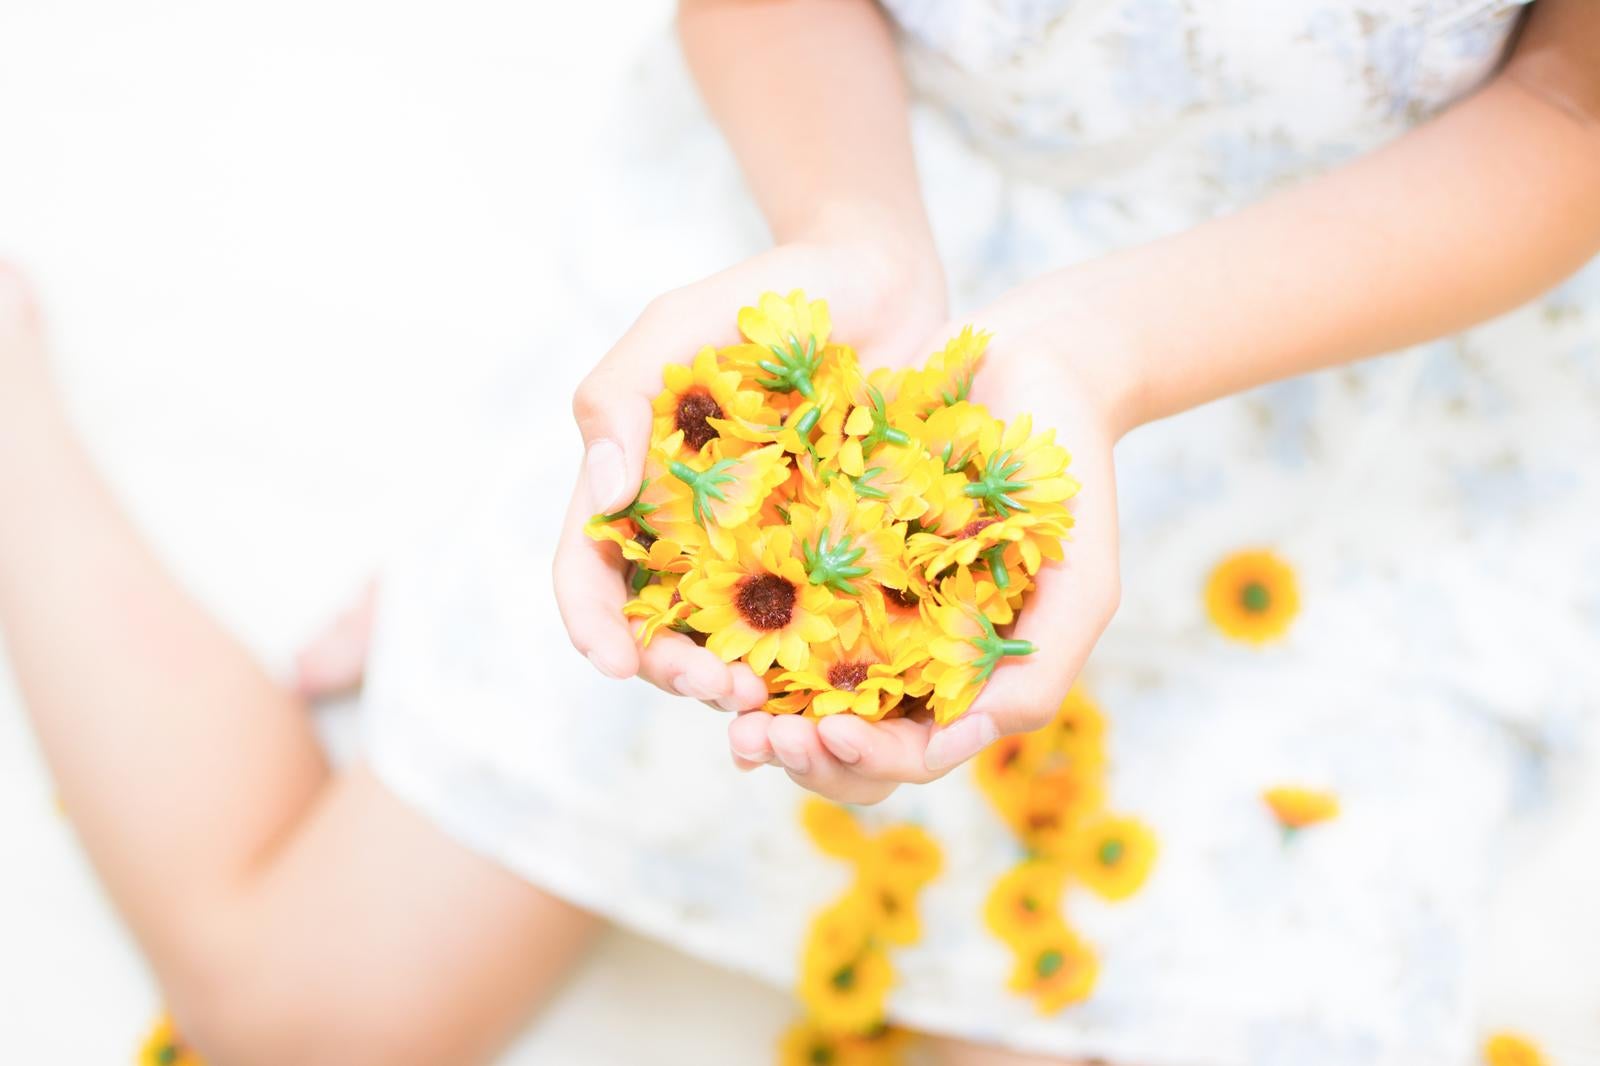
x: 164, y: 1047
x: 1113, y: 856
x: 832, y: 829
x: 1252, y: 596
x: 845, y: 976
x: 1056, y: 969
x: 1296, y: 808
x: 1512, y: 1049
x: 807, y: 1044
x: 1025, y: 903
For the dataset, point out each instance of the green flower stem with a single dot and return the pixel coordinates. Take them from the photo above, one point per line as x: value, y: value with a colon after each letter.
x: 704, y: 484
x: 995, y: 557
x: 993, y: 647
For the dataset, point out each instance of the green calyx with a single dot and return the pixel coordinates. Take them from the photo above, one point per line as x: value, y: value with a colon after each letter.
x: 952, y: 462
x: 793, y: 367
x: 992, y: 647
x: 705, y: 484
x: 1049, y: 962
x: 962, y: 390
x: 636, y: 512
x: 882, y: 432
x: 834, y: 565
x: 865, y: 489
x: 995, y: 486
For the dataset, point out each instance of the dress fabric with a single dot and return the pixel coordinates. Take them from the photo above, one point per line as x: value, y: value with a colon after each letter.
x: 1436, y: 506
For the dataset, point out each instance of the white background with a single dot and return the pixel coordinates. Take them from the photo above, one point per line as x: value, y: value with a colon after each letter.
x: 275, y: 243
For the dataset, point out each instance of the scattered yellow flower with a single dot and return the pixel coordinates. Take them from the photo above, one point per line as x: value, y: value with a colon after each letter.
x: 1512, y: 1049
x: 1296, y: 808
x: 1252, y: 597
x: 1056, y: 970
x: 164, y: 1047
x: 1026, y: 902
x: 1113, y: 856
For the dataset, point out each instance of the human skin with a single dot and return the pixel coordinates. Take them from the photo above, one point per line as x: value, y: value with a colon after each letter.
x: 1465, y: 217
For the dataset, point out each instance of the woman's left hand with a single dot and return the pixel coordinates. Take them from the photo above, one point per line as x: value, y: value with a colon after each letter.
x: 851, y: 760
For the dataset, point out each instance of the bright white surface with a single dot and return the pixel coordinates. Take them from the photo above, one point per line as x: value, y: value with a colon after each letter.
x: 277, y: 243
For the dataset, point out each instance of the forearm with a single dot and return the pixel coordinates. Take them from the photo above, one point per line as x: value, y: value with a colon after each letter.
x: 811, y: 98
x: 1460, y: 220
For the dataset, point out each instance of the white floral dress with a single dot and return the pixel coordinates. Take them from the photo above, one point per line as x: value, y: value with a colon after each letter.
x: 1436, y: 508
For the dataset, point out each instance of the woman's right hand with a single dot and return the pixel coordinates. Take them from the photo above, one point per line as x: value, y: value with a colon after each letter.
x: 884, y: 297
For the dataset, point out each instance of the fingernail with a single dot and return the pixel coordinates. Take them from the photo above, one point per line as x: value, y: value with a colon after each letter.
x: 730, y: 702
x: 607, y: 473
x: 609, y: 671
x: 960, y: 742
x: 843, y: 750
x: 753, y: 756
x: 795, y: 761
x: 683, y: 685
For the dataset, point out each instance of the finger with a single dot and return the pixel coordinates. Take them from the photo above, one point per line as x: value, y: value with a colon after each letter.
x: 749, y: 691
x: 336, y: 658
x: 795, y: 742
x: 590, y: 593
x: 892, y: 750
x: 674, y: 663
x: 747, y: 740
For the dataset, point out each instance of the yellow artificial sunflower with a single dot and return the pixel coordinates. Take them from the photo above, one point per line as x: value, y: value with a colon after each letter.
x: 1512, y: 1049
x: 1113, y: 856
x: 1053, y: 804
x: 658, y: 606
x: 730, y: 491
x: 808, y: 1044
x: 1056, y: 969
x: 1296, y: 808
x: 963, y: 656
x: 1252, y: 596
x: 866, y: 678
x: 759, y: 605
x: 905, y: 854
x: 790, y: 333
x: 1078, y: 729
x: 699, y: 397
x: 662, y: 513
x: 1003, y: 770
x: 1025, y: 904
x: 164, y: 1047
x: 946, y: 379
x: 1019, y: 470
x: 845, y: 976
x: 832, y: 829
x: 904, y: 479
x: 849, y: 544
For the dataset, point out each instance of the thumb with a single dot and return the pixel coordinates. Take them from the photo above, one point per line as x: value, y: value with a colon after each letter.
x: 614, y: 417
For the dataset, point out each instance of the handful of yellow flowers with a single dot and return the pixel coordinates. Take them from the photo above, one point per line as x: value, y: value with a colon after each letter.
x: 857, y: 538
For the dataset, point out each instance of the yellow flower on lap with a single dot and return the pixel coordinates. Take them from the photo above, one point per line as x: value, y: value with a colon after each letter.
x: 164, y: 1047
x: 832, y: 829
x: 1113, y: 856
x: 1056, y: 969
x: 759, y: 605
x: 1252, y: 597
x: 1025, y: 904
x: 1296, y: 808
x: 811, y: 1045
x: 1512, y: 1049
x: 844, y: 976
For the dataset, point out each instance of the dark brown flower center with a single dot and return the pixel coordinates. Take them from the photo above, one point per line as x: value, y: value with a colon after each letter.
x: 694, y: 408
x: 972, y: 529
x: 902, y: 597
x: 766, y: 601
x: 847, y: 675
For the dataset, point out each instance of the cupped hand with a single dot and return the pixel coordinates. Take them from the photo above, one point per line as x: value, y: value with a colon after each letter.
x: 1026, y: 370
x: 883, y: 300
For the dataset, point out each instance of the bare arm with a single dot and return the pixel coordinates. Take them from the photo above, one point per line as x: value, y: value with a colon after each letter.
x: 1464, y: 218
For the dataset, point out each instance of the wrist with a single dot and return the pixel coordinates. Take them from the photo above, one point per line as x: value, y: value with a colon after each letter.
x: 1088, y: 329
